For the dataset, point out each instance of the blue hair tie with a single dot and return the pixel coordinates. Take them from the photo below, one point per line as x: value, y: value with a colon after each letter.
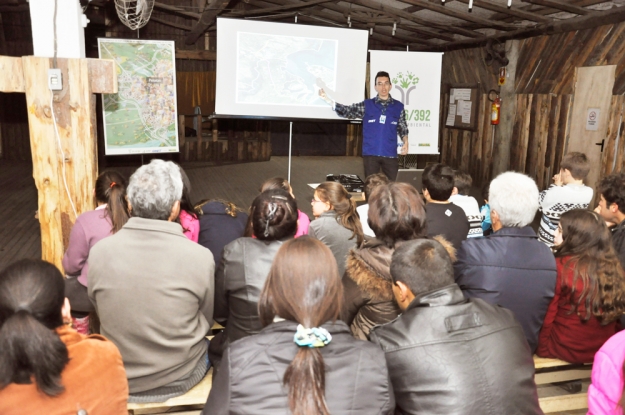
x: 313, y: 337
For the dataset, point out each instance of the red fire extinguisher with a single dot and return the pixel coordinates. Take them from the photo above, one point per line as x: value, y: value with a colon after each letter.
x: 495, y: 111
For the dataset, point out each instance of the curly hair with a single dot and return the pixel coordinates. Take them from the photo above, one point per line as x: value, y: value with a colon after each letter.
x: 612, y: 188
x: 587, y: 244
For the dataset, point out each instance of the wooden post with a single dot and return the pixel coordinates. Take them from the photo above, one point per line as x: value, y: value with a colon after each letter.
x: 503, y: 132
x: 67, y: 157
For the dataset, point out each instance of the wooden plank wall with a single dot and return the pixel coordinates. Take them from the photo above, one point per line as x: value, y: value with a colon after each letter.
x: 614, y: 146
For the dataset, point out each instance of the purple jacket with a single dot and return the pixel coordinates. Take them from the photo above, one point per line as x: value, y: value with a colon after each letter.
x: 607, y: 377
x: 89, y: 229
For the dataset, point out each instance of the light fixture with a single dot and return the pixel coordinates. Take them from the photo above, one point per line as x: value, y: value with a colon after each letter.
x: 395, y: 26
x: 470, y: 6
x: 509, y: 3
x: 349, y: 20
x: 370, y: 31
x: 296, y: 16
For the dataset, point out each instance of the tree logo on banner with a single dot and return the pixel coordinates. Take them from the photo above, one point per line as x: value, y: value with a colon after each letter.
x: 405, y: 85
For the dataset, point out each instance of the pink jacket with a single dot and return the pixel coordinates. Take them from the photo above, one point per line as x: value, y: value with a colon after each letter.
x: 303, y: 222
x: 190, y: 225
x: 607, y: 377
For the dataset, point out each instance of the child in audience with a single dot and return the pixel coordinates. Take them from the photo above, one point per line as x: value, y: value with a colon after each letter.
x: 605, y: 393
x: 371, y: 182
x: 566, y: 193
x: 221, y: 222
x: 244, y: 267
x: 443, y: 217
x: 590, y: 290
x: 45, y: 366
x: 304, y: 361
x: 487, y: 226
x: 336, y: 224
x: 460, y: 197
x: 91, y: 227
x: 189, y: 214
x: 303, y: 221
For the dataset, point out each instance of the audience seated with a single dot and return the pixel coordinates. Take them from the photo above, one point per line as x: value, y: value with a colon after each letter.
x: 443, y: 217
x: 303, y: 361
x: 371, y: 182
x: 460, y: 197
x: 336, y: 222
x: 612, y: 209
x: 303, y: 221
x: 396, y: 215
x: 45, y: 366
x: 510, y: 267
x: 605, y: 393
x: 567, y: 192
x: 590, y: 290
x: 153, y: 289
x: 89, y: 228
x: 448, y: 355
x: 221, y: 222
x: 189, y: 214
x: 244, y: 267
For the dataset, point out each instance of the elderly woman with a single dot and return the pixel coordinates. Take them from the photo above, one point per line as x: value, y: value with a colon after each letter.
x: 396, y: 215
x: 245, y: 264
x: 510, y: 267
x: 153, y: 289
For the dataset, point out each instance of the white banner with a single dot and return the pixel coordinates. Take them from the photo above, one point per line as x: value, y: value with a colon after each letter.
x: 416, y: 80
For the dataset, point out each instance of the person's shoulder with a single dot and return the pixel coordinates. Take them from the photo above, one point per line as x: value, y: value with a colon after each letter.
x: 99, y: 345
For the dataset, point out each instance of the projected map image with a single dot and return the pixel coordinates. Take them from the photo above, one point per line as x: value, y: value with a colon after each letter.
x: 284, y: 70
x: 141, y: 117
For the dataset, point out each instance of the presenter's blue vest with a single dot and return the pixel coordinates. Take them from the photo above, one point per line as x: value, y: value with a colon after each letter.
x: 380, y: 139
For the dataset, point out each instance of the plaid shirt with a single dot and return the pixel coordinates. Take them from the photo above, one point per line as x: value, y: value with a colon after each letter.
x: 358, y: 111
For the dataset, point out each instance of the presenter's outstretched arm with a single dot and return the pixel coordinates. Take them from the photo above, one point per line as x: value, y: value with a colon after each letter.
x: 404, y: 148
x: 346, y: 111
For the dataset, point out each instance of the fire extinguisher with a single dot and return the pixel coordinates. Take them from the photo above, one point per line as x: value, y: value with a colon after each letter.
x: 495, y: 109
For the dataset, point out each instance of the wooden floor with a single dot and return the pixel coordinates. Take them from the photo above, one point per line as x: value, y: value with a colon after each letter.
x: 239, y: 183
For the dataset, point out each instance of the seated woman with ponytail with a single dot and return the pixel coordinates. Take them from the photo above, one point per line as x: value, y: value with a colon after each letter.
x: 337, y: 224
x: 244, y: 267
x: 91, y: 227
x: 45, y: 366
x: 304, y: 361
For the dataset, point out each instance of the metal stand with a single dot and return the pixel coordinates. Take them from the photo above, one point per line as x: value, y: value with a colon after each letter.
x: 290, y: 145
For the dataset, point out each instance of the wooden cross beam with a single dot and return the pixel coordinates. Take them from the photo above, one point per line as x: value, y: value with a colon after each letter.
x: 73, y: 110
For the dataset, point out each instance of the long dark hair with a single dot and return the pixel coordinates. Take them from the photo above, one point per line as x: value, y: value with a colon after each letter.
x: 230, y: 208
x: 110, y: 188
x: 303, y: 286
x: 274, y: 215
x: 587, y: 243
x: 276, y: 183
x: 31, y: 298
x: 335, y: 194
x: 185, y: 201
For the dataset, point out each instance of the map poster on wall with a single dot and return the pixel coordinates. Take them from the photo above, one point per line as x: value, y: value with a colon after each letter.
x: 142, y: 117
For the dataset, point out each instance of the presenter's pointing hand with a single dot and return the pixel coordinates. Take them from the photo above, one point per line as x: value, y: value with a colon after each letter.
x: 404, y: 148
x: 324, y: 96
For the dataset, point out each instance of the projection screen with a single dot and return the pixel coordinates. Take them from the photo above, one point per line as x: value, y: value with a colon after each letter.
x: 275, y: 70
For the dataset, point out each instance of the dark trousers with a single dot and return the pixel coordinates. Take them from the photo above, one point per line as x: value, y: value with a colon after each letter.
x: 389, y: 166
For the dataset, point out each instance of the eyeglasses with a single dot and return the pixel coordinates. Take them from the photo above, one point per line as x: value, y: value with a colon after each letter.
x: 316, y: 201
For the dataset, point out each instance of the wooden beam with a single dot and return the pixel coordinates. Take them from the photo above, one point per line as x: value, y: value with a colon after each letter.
x: 544, y: 11
x: 466, y: 16
x: 196, y: 54
x: 172, y: 24
x: 606, y: 17
x: 13, y: 74
x: 102, y: 76
x: 512, y: 11
x: 301, y: 5
x: 213, y: 8
x: 176, y: 10
x: 560, y: 6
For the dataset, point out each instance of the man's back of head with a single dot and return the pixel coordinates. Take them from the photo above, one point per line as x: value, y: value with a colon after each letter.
x: 438, y: 180
x: 514, y: 199
x: 577, y: 164
x: 446, y: 354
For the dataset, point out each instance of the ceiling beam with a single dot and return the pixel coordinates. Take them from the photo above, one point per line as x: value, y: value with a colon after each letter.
x: 554, y: 4
x: 208, y: 18
x: 466, y: 16
x: 595, y: 19
x: 176, y: 10
x: 512, y: 11
x: 544, y: 11
x: 256, y: 12
x: 168, y: 23
x: 196, y: 54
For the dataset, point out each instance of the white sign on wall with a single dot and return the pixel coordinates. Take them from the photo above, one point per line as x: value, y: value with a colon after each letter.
x: 416, y: 79
x: 592, y: 119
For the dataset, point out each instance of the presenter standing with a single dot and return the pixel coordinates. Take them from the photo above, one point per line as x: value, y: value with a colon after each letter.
x: 383, y: 119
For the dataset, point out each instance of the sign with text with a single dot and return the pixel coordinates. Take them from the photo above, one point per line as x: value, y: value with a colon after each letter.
x: 416, y: 80
x: 592, y: 119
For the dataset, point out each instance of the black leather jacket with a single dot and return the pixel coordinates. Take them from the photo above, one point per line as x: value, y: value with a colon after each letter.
x: 449, y: 355
x: 250, y: 377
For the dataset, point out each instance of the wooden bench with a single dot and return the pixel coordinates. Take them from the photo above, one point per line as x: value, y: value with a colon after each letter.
x: 195, y: 399
x: 549, y: 371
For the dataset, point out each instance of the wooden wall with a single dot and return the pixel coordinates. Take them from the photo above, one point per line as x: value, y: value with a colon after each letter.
x: 544, y: 94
